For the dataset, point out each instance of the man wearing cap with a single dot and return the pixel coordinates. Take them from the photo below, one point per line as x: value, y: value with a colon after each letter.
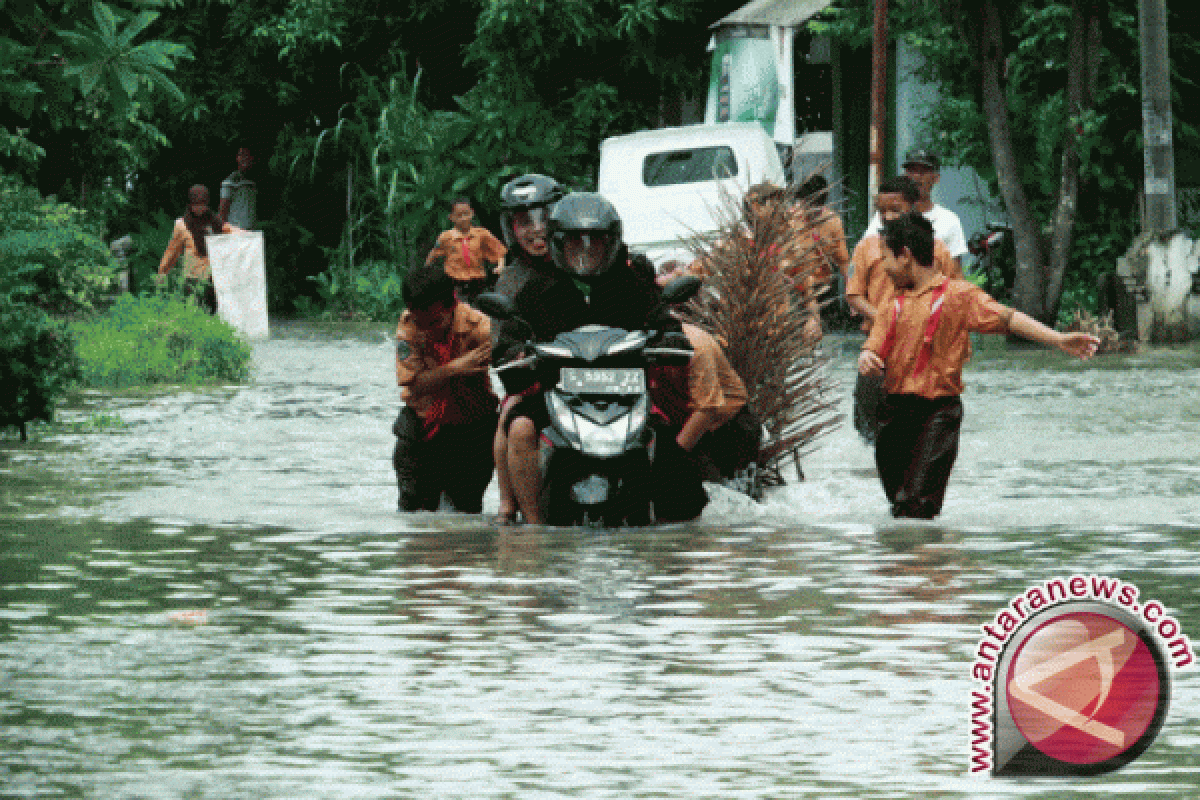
x: 924, y: 167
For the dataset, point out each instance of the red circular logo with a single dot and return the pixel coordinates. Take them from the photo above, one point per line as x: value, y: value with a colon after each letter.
x: 1083, y: 688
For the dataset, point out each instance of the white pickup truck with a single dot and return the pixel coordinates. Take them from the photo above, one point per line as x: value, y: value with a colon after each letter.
x: 666, y: 184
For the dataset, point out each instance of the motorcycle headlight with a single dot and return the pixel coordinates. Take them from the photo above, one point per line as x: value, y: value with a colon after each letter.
x: 602, y: 440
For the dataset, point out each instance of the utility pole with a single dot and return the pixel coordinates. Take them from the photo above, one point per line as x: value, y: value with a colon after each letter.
x: 1160, y: 268
x: 879, y: 71
x: 1159, y: 154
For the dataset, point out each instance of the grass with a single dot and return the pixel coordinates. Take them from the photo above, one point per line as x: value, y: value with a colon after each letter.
x: 95, y: 422
x: 164, y: 339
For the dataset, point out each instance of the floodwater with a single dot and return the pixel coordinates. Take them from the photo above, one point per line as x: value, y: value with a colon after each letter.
x: 218, y: 600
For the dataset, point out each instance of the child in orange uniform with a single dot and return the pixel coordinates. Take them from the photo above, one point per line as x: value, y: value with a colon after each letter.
x: 920, y: 346
x: 444, y: 432
x: 870, y: 289
x: 710, y: 433
x: 469, y: 251
x: 824, y: 226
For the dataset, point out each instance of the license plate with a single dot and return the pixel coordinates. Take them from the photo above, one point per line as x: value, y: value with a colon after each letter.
x: 592, y: 380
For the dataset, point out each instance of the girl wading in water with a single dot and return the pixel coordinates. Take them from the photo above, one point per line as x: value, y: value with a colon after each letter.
x: 187, y: 239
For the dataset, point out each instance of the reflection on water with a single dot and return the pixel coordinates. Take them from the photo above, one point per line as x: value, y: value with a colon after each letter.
x: 807, y: 647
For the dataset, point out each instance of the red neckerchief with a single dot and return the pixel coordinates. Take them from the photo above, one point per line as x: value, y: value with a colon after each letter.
x: 440, y: 402
x: 466, y: 251
x: 931, y: 325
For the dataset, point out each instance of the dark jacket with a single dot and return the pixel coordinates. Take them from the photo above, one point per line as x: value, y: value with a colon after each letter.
x: 626, y: 296
x: 546, y: 299
x: 550, y: 301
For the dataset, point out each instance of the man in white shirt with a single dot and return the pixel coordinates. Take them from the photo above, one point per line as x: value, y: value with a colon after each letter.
x: 924, y: 167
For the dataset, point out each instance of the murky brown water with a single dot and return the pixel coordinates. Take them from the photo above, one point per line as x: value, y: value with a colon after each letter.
x: 807, y: 647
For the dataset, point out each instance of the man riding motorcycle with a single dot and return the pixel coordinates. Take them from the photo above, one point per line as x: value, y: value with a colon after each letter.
x: 585, y: 242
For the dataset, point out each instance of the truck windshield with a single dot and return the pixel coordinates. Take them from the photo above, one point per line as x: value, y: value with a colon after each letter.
x: 689, y: 166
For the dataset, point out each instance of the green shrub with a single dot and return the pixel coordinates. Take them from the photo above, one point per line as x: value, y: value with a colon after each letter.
x: 160, y: 339
x: 150, y: 241
x: 37, y: 364
x: 51, y: 254
x: 368, y: 290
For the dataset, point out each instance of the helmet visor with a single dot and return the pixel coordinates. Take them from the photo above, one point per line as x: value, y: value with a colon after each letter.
x: 587, y: 253
x: 533, y: 218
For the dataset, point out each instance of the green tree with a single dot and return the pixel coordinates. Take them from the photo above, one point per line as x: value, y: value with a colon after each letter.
x: 1041, y: 97
x: 519, y: 84
x: 85, y: 73
x: 551, y: 81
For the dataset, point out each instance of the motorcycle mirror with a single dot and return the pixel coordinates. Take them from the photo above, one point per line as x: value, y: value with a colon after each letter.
x: 496, y: 305
x: 681, y: 290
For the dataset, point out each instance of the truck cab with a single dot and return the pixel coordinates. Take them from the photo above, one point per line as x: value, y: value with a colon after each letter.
x: 667, y: 184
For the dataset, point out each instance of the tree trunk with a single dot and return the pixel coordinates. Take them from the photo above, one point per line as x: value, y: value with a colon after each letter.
x: 1068, y: 195
x: 349, y: 213
x: 1027, y: 288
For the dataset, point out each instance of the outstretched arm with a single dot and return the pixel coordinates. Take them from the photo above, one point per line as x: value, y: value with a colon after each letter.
x: 1080, y: 345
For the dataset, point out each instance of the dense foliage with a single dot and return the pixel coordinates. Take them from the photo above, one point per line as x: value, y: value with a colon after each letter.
x: 550, y: 81
x: 51, y: 254
x: 160, y: 339
x: 83, y: 91
x: 321, y: 93
x: 367, y: 118
x: 37, y: 364
x: 1069, y: 115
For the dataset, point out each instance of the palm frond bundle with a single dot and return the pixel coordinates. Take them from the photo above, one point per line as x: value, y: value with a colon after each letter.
x: 759, y: 297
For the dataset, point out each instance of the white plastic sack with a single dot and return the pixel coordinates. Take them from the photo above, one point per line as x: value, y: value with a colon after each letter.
x: 239, y: 276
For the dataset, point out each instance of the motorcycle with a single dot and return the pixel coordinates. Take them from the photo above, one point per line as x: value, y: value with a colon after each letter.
x: 986, y: 246
x: 597, y: 451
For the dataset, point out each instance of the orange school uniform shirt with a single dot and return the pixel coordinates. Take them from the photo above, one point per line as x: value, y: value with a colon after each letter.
x: 466, y: 264
x: 460, y: 399
x: 870, y: 280
x: 965, y: 308
x: 826, y: 246
x: 711, y: 382
x: 182, y: 243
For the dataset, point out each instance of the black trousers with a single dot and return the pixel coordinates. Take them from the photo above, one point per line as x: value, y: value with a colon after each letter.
x: 457, y: 461
x: 915, y: 451
x: 676, y: 483
x: 730, y: 448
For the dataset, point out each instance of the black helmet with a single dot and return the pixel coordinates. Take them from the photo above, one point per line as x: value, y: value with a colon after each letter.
x: 585, y: 234
x: 527, y: 193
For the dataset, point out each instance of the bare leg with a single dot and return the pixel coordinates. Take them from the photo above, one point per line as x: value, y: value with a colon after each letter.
x: 523, y: 467
x: 508, y: 501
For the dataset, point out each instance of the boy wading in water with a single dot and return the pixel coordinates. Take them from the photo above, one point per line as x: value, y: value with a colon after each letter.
x: 920, y: 345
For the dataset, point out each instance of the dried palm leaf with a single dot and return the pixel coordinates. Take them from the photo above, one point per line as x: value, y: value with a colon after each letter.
x: 760, y: 298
